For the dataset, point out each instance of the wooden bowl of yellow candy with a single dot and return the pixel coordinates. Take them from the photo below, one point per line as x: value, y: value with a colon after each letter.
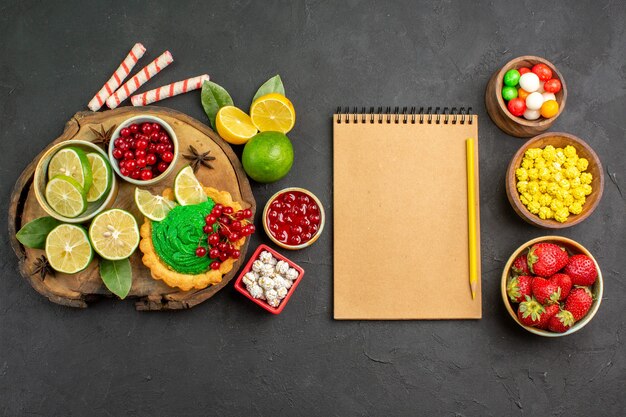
x: 554, y: 181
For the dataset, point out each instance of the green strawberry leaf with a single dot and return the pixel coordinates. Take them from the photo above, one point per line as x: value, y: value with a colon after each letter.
x: 273, y: 85
x: 214, y: 97
x: 34, y: 233
x: 117, y: 276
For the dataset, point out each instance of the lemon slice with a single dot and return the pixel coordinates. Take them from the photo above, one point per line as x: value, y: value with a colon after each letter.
x: 68, y: 249
x: 66, y: 196
x: 234, y: 126
x: 187, y: 188
x: 71, y: 162
x: 114, y: 234
x: 273, y: 112
x: 154, y: 207
x: 101, y: 177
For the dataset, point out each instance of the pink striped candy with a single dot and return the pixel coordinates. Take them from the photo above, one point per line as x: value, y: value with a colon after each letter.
x: 170, y: 90
x: 118, y: 77
x: 140, y: 79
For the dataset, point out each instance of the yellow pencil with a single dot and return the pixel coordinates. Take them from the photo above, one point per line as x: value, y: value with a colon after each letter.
x: 471, y: 216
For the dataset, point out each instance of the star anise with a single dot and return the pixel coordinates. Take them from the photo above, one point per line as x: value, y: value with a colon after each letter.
x: 198, y: 158
x: 103, y: 137
x: 42, y: 267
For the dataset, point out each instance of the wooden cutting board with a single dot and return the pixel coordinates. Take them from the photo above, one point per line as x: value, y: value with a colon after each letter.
x: 77, y: 290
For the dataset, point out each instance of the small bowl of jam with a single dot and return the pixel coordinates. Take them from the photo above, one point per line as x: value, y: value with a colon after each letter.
x: 293, y: 218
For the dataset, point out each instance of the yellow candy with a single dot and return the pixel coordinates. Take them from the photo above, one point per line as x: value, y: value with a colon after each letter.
x: 527, y: 163
x: 534, y: 207
x: 528, y: 196
x: 575, y: 208
x: 575, y: 182
x: 586, y: 178
x: 569, y: 151
x: 553, y: 188
x: 561, y: 215
x: 586, y: 188
x: 545, y: 200
x: 545, y: 213
x: 524, y: 200
x: 533, y: 153
x: 540, y: 163
x: 533, y: 187
x: 572, y: 172
x: 543, y: 186
x: 582, y: 164
x: 522, y: 186
x: 521, y: 174
x: 545, y: 174
x: 533, y: 173
x: 556, y: 205
x: 564, y: 184
x: 549, y: 153
x: 578, y: 193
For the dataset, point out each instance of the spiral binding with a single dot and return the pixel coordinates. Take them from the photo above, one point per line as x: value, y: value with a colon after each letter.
x: 423, y: 115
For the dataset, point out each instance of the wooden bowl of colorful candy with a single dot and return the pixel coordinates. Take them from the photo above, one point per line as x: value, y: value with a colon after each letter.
x: 525, y: 96
x: 554, y: 181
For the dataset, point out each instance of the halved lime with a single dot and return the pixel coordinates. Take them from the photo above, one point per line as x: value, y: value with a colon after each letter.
x: 101, y: 176
x: 71, y: 162
x: 66, y: 196
x: 68, y: 248
x: 187, y: 188
x: 114, y: 234
x: 154, y: 207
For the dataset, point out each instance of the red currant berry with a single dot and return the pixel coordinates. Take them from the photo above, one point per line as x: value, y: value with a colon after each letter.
x: 304, y: 222
x: 130, y: 164
x: 156, y: 127
x: 296, y: 230
x: 251, y: 228
x: 218, y: 208
x: 124, y: 171
x: 214, y: 253
x: 151, y: 159
x: 236, y: 226
x: 214, y: 239
x: 224, y: 256
x: 210, y: 219
x: 140, y: 153
x: 154, y: 137
x: 167, y: 156
x: 294, y: 240
x: 215, y: 265
x: 200, y: 252
x: 222, y: 246
x: 136, y: 174
x: 272, y: 215
x: 134, y: 128
x: 146, y: 174
x: 117, y: 153
x: 146, y: 128
x: 151, y: 148
x: 227, y: 210
x: 314, y: 218
x: 125, y: 132
x: 247, y: 213
x: 162, y: 166
x: 313, y: 228
x: 306, y: 236
x: 313, y: 208
x: 128, y: 155
x: 141, y: 162
x: 207, y: 229
x: 118, y: 142
x: 239, y: 215
x: 142, y: 144
x: 235, y: 254
x: 160, y: 148
x: 163, y: 138
x: 234, y: 237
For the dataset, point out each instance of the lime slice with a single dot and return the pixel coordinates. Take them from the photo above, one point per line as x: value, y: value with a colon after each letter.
x: 114, y: 234
x: 187, y: 188
x: 71, y: 162
x: 66, y: 196
x: 68, y: 249
x: 101, y: 177
x: 154, y: 207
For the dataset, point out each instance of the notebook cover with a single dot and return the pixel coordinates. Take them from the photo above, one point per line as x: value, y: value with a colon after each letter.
x: 401, y: 221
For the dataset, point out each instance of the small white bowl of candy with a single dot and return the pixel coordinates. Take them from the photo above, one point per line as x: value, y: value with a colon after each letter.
x: 269, y: 279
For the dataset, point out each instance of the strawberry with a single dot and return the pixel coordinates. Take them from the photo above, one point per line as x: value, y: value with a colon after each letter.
x: 550, y: 311
x: 582, y: 270
x: 564, y: 282
x: 529, y: 312
x: 579, y: 302
x: 545, y: 291
x: 518, y: 288
x: 561, y: 322
x: 520, y: 265
x: 546, y: 259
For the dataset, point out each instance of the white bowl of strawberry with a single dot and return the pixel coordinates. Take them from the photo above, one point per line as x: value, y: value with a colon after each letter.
x: 143, y: 150
x: 552, y: 286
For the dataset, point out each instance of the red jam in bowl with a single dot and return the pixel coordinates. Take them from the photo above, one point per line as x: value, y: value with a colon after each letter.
x: 293, y: 218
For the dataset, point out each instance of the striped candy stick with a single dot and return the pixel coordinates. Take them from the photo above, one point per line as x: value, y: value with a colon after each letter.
x: 118, y: 77
x: 140, y: 79
x: 170, y: 90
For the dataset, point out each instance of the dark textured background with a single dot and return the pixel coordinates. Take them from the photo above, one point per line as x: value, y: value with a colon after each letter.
x: 227, y: 356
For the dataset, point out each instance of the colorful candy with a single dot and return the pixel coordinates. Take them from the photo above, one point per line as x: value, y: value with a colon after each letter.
x: 118, y: 77
x: 169, y: 90
x: 531, y: 92
x: 140, y: 79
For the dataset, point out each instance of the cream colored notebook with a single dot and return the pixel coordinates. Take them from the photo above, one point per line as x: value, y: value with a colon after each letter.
x: 401, y: 248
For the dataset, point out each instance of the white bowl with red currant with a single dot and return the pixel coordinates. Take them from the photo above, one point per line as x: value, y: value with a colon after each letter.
x: 552, y: 286
x: 143, y: 150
